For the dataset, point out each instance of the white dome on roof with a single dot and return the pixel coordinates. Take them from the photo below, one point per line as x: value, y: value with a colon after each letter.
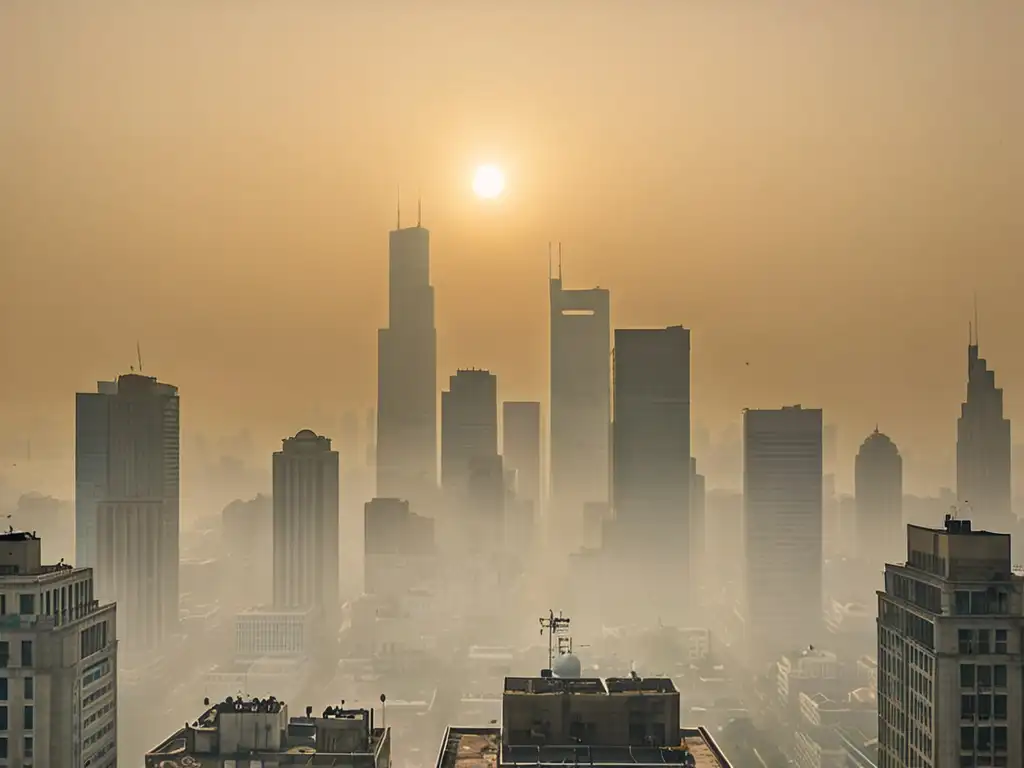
x: 567, y: 665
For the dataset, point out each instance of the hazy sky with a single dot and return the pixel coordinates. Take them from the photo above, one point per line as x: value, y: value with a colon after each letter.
x: 816, y: 188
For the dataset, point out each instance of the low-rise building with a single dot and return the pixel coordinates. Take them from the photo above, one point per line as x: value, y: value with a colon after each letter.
x: 238, y: 732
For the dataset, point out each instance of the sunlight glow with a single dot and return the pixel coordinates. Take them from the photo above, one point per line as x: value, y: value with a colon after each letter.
x: 488, y: 181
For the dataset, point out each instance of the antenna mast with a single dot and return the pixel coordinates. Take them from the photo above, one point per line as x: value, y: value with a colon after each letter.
x: 138, y: 355
x: 558, y: 628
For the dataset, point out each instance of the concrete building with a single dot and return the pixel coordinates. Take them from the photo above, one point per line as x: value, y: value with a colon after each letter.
x: 260, y: 732
x: 983, y: 447
x: 878, y: 484
x: 521, y: 448
x: 548, y: 721
x: 782, y: 522
x: 406, y: 434
x: 58, y: 663
x: 579, y: 441
x: 306, y: 524
x: 399, y: 547
x: 950, y: 672
x: 469, y: 426
x: 264, y: 632
x: 127, y: 466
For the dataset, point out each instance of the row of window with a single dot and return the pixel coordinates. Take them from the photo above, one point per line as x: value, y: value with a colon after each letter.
x: 981, y: 602
x: 28, y: 720
x: 28, y: 747
x: 984, y: 706
x: 29, y: 692
x: 26, y: 653
x: 53, y: 602
x: 982, y: 641
x: 983, y: 738
x: 983, y: 675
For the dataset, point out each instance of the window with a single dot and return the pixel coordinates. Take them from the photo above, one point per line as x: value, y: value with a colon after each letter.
x: 967, y: 738
x: 3, y: 689
x: 984, y: 707
x: 3, y: 718
x: 966, y: 675
x: 30, y: 688
x: 964, y: 641
x: 26, y: 653
x: 984, y: 675
x: 1000, y: 706
x: 29, y: 746
x: 1000, y: 737
x: 968, y: 707
x: 30, y: 718
x: 1000, y: 641
x: 1000, y: 670
x: 962, y: 601
x: 985, y: 739
x: 3, y: 747
x: 984, y: 641
x: 3, y: 605
x: 27, y: 605
x: 5, y: 653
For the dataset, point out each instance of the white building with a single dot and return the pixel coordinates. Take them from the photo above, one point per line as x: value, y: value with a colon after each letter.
x: 58, y: 663
x: 261, y: 632
x: 950, y: 671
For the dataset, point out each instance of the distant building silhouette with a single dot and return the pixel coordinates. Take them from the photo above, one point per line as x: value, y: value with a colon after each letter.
x: 983, y: 477
x: 698, y: 524
x: 399, y: 547
x: 521, y: 448
x: 580, y: 403
x: 469, y: 425
x: 127, y: 516
x: 407, y: 373
x: 306, y: 524
x: 782, y: 498
x: 878, y: 485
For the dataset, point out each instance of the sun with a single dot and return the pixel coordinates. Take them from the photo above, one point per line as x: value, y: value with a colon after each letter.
x: 488, y: 181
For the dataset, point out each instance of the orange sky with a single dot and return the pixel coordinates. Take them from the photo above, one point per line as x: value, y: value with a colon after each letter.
x: 815, y: 188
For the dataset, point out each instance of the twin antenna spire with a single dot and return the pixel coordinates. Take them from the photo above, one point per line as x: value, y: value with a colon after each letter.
x: 559, y: 277
x: 419, y: 211
x: 972, y: 328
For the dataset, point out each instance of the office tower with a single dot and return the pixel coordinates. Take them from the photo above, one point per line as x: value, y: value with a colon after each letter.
x: 407, y: 372
x: 486, y: 495
x: 878, y: 486
x: 399, y: 547
x: 306, y: 524
x: 469, y: 426
x: 247, y: 533
x: 521, y: 448
x: 651, y: 439
x: 58, y: 663
x: 580, y: 405
x: 983, y: 447
x: 127, y: 472
x: 950, y: 623
x: 782, y: 528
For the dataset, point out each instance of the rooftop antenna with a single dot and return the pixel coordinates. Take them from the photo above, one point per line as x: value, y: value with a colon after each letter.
x: 977, y: 327
x: 138, y: 355
x: 549, y: 259
x: 398, y: 207
x: 559, y: 259
x: 419, y: 210
x: 556, y: 626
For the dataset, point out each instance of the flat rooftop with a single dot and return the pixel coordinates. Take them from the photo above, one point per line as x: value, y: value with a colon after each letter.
x: 482, y: 748
x: 589, y: 685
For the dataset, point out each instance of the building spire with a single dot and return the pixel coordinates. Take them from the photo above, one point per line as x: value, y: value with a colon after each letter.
x: 976, y: 325
x: 559, y: 259
x: 398, y: 208
x: 419, y: 210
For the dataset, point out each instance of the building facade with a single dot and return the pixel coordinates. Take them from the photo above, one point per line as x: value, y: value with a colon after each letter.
x: 950, y: 673
x: 580, y: 417
x: 782, y: 522
x: 306, y: 524
x: 469, y: 426
x: 521, y: 448
x: 406, y: 434
x: 58, y: 663
x: 878, y: 489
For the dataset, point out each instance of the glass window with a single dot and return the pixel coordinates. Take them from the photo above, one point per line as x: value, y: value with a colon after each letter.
x: 1000, y: 706
x: 964, y: 640
x: 3, y: 689
x: 3, y: 719
x: 1000, y: 641
x: 30, y: 718
x: 5, y: 653
x: 985, y: 739
x: 979, y: 603
x: 984, y: 675
x: 967, y: 707
x: 1000, y: 675
x: 967, y: 738
x: 1000, y: 737
x: 966, y: 675
x: 27, y: 605
x: 984, y: 638
x: 962, y: 602
x: 3, y: 605
x: 3, y: 747
x: 29, y: 746
x: 30, y: 688
x: 985, y: 707
x: 26, y: 653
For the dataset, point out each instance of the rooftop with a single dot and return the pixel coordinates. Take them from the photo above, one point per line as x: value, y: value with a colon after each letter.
x: 481, y: 748
x: 591, y: 685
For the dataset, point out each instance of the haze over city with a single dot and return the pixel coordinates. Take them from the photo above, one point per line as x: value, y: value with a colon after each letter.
x: 681, y: 317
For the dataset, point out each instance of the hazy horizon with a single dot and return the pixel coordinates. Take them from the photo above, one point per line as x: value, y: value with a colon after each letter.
x: 815, y: 189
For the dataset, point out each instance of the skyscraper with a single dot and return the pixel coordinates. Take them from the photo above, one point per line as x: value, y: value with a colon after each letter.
x: 580, y: 404
x: 306, y: 524
x: 407, y: 373
x: 782, y: 499
x: 521, y: 448
x: 58, y: 649
x: 983, y: 448
x: 469, y: 426
x: 950, y: 623
x: 878, y: 488
x: 127, y: 518
x: 651, y: 469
